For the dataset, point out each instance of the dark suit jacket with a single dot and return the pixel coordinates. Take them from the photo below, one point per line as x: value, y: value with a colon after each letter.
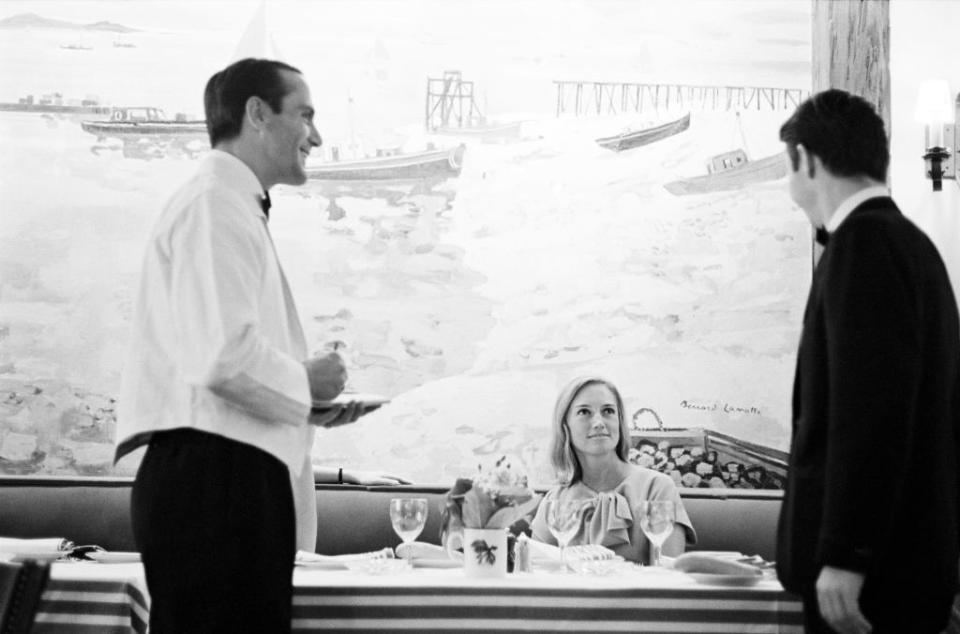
x: 874, y: 477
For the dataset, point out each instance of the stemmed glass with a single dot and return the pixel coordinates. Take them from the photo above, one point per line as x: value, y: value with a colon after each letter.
x: 656, y: 520
x: 563, y: 520
x: 408, y: 516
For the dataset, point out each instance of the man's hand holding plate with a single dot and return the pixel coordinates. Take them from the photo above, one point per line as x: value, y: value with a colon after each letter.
x: 336, y: 414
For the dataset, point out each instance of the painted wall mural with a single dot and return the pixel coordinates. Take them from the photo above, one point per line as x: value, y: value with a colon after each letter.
x: 509, y: 194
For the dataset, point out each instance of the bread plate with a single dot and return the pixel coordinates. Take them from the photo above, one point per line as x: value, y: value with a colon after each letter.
x: 711, y: 579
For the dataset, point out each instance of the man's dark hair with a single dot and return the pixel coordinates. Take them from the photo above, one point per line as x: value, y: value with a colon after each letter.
x: 225, y: 97
x: 843, y: 130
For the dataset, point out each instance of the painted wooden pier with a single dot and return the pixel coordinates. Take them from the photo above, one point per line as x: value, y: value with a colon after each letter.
x: 585, y: 98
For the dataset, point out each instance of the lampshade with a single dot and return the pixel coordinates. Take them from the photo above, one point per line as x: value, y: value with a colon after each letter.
x: 934, y: 105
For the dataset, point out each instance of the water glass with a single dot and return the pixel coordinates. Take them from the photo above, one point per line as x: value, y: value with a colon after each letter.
x: 563, y: 520
x: 408, y: 516
x: 656, y: 519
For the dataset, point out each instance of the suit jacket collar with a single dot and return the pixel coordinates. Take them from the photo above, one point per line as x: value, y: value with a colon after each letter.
x: 855, y: 202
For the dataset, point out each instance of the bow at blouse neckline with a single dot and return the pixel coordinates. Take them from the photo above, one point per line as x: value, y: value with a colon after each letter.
x: 606, y: 519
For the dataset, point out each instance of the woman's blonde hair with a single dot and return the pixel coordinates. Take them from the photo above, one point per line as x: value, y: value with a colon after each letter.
x: 562, y: 455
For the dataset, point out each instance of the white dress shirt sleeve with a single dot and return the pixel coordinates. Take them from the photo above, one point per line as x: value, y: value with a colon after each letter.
x: 223, y: 262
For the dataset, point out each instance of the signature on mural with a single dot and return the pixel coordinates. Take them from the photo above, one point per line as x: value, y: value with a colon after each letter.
x: 716, y: 406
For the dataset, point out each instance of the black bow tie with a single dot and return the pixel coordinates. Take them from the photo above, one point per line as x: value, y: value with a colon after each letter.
x: 265, y: 204
x: 822, y: 236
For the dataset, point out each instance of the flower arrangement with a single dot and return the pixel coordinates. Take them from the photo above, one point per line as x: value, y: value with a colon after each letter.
x: 493, y: 498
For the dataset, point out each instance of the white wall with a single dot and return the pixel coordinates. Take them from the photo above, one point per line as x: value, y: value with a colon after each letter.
x: 923, y: 45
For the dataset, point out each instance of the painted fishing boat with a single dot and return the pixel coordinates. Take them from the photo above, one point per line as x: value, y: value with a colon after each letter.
x: 492, y: 133
x: 704, y: 458
x: 140, y: 122
x: 729, y: 171
x: 413, y: 166
x: 636, y: 138
x: 56, y: 104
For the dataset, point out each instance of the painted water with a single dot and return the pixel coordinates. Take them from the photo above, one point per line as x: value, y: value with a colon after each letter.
x: 469, y: 301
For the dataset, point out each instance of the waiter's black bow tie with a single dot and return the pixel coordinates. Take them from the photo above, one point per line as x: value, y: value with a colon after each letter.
x: 822, y: 236
x: 265, y: 204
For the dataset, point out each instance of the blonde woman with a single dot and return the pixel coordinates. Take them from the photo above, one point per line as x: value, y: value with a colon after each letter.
x: 589, y: 451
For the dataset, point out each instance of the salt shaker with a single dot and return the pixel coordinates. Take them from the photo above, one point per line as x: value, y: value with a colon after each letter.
x: 521, y: 553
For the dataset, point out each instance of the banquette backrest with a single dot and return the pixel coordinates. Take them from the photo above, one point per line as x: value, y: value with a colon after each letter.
x: 351, y: 518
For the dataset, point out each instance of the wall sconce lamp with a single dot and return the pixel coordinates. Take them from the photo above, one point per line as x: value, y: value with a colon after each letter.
x: 937, y: 111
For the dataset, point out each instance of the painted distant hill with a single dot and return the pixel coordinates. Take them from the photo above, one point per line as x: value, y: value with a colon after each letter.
x: 34, y: 21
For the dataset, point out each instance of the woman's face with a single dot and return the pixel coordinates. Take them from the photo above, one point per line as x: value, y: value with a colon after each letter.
x: 593, y: 420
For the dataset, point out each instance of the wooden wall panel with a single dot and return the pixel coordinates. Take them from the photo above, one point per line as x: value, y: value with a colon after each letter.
x: 851, y: 49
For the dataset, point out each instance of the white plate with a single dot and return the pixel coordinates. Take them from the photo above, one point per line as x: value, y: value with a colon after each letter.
x: 726, y: 580
x: 370, y: 401
x: 113, y: 557
x: 720, y: 554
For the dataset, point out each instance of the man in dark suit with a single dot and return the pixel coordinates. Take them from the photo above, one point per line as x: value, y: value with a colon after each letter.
x: 868, y: 532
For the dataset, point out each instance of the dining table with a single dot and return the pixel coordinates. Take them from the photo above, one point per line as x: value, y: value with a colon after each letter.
x: 113, y: 598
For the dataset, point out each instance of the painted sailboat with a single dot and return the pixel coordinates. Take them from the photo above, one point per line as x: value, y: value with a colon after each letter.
x: 257, y: 39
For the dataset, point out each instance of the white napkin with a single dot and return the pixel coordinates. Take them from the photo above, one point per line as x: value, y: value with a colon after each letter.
x: 48, y: 545
x: 583, y: 552
x: 305, y: 558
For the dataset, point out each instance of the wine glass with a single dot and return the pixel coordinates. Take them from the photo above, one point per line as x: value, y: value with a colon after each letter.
x: 656, y: 520
x: 563, y: 520
x: 408, y: 516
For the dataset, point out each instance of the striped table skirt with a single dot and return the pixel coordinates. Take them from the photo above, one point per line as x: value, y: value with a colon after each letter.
x: 115, y: 603
x: 445, y: 601
x: 108, y: 598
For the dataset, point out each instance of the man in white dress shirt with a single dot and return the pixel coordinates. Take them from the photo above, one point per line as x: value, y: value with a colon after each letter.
x: 218, y: 382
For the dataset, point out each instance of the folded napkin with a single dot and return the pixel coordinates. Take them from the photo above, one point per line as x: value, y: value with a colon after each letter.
x: 45, y: 545
x: 583, y: 552
x: 423, y: 550
x: 305, y: 558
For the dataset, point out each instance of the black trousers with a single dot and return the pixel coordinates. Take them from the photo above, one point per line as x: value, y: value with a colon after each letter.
x: 214, y: 522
